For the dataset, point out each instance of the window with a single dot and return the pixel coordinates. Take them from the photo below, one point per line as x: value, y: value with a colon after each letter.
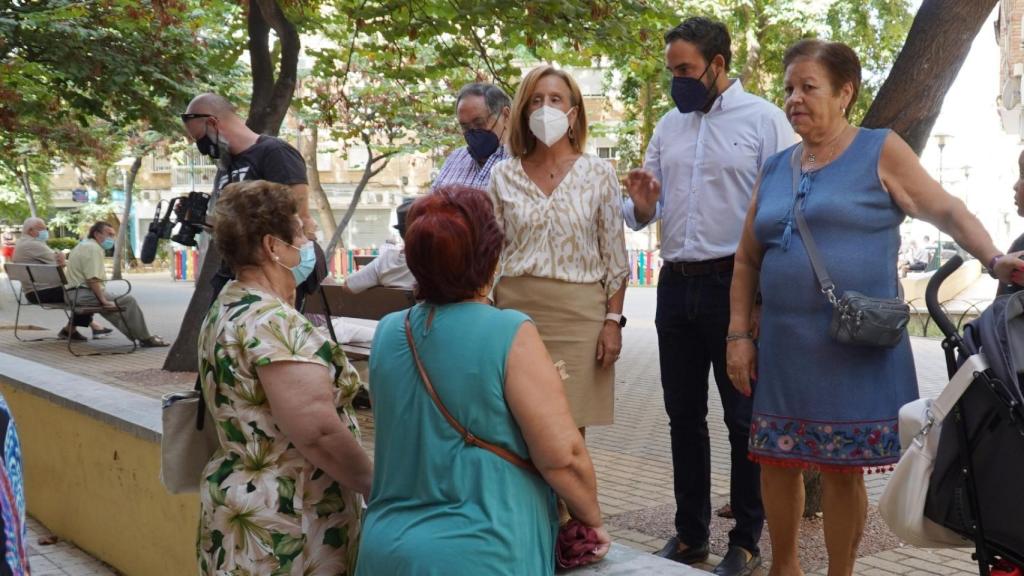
x: 357, y: 157
x: 606, y: 152
x: 159, y: 165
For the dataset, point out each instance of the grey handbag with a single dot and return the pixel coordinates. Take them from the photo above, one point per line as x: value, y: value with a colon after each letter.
x: 857, y: 319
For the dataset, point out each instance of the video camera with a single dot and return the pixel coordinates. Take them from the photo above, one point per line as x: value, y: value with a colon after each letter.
x: 189, y: 214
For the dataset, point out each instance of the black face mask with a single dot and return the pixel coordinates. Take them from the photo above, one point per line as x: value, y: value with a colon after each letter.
x: 482, y: 143
x: 208, y: 146
x: 690, y: 94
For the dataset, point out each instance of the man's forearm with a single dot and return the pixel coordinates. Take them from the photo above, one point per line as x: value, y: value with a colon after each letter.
x: 97, y: 289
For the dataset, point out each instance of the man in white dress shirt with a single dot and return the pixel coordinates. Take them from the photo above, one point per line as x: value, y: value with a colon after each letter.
x: 388, y: 268
x: 698, y: 177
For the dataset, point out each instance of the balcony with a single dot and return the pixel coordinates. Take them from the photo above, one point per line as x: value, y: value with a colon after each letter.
x: 182, y: 177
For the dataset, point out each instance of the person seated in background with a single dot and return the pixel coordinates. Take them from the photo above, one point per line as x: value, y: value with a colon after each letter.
x: 85, y: 266
x: 31, y: 248
x: 922, y: 256
x: 388, y: 269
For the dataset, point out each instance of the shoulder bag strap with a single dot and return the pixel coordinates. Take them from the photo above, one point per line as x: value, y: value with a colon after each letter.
x: 827, y: 286
x: 466, y: 435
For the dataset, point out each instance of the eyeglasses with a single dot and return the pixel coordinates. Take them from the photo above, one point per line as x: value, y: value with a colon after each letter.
x: 186, y: 117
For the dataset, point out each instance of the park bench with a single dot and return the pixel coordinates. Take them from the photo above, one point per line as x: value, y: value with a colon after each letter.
x: 333, y: 301
x: 35, y: 278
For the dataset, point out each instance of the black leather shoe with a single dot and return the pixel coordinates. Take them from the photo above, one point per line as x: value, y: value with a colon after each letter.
x: 738, y: 561
x: 691, y: 555
x: 74, y: 335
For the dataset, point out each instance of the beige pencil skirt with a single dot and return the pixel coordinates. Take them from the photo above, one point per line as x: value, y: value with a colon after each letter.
x: 569, y: 318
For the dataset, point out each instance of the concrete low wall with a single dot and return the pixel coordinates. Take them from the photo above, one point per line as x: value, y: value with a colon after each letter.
x: 915, y: 283
x: 91, y: 455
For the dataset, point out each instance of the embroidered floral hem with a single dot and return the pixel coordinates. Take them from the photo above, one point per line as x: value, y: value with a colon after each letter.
x: 828, y: 446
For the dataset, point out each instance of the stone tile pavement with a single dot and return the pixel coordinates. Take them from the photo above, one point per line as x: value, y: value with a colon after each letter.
x: 632, y: 457
x: 60, y: 558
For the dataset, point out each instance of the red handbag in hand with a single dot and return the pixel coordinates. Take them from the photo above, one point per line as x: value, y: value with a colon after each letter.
x: 575, y: 545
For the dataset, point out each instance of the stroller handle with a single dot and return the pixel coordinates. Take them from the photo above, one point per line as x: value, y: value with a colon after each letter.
x: 931, y: 295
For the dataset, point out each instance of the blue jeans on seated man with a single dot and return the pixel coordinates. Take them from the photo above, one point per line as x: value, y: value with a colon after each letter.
x: 692, y: 320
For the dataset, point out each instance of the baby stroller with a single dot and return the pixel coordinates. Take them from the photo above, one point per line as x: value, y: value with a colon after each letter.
x: 977, y: 485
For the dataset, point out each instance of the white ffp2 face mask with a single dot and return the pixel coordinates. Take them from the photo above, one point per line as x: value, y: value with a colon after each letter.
x: 549, y: 124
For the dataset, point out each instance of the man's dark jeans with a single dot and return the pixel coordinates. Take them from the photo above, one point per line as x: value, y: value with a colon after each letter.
x: 692, y: 321
x: 56, y: 296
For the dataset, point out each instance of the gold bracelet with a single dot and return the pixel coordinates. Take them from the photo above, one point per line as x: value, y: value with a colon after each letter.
x: 733, y: 336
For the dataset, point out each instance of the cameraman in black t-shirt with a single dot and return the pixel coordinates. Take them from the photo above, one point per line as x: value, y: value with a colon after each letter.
x: 219, y: 132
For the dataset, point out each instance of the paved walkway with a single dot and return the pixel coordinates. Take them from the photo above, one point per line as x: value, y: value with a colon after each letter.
x: 632, y: 457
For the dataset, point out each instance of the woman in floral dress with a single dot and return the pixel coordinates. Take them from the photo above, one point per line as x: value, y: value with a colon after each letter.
x: 283, y: 493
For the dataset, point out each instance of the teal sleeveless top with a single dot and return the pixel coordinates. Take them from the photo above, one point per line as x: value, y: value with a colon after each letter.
x: 438, y: 505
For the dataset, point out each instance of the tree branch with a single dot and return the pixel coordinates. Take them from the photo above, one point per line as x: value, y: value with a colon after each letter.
x: 271, y: 104
x: 261, y: 65
x: 910, y: 99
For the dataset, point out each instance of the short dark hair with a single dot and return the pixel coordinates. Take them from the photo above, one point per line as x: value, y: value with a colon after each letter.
x: 838, y: 59
x: 711, y: 37
x: 246, y: 212
x: 98, y: 228
x: 452, y: 244
x: 402, y: 213
x: 495, y: 97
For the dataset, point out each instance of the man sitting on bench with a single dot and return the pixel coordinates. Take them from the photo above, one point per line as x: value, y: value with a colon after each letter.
x: 85, y: 266
x: 388, y: 269
x: 31, y: 248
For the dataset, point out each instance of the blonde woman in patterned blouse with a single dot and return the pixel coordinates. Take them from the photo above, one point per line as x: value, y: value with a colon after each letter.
x: 564, y: 260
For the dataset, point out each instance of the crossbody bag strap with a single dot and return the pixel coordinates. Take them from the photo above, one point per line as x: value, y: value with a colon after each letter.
x: 828, y: 287
x: 466, y: 435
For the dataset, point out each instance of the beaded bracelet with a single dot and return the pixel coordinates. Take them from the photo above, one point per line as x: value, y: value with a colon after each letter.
x: 733, y: 336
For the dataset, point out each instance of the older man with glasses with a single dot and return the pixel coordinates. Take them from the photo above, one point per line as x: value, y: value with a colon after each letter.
x: 482, y: 111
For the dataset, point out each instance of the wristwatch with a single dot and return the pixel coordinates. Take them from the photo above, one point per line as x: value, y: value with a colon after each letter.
x: 617, y: 318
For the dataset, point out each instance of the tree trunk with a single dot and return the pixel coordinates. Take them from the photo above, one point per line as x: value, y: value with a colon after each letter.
x: 368, y: 173
x: 271, y: 98
x: 308, y: 146
x: 26, y: 183
x: 939, y: 40
x: 122, y: 231
x: 183, y: 355
x: 752, y: 63
x: 812, y: 493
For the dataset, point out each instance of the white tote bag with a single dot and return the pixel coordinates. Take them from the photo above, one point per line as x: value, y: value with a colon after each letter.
x: 902, y: 502
x: 184, y: 450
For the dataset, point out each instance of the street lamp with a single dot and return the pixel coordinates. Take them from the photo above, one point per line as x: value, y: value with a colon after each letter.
x: 941, y: 139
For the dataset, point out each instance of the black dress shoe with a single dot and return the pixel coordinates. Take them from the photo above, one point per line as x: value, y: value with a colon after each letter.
x: 738, y: 561
x: 691, y: 555
x: 75, y: 335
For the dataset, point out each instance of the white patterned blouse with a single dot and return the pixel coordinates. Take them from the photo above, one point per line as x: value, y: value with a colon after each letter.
x: 574, y: 235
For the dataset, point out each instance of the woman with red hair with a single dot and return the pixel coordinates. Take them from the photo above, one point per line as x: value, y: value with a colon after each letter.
x: 441, y: 505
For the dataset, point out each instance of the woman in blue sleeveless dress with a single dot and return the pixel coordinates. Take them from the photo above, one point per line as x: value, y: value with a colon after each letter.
x: 817, y: 403
x: 440, y: 506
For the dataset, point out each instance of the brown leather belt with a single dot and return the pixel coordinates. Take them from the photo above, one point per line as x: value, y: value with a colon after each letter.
x: 701, y: 268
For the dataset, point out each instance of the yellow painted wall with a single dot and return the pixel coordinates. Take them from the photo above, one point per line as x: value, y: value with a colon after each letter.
x: 99, y: 487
